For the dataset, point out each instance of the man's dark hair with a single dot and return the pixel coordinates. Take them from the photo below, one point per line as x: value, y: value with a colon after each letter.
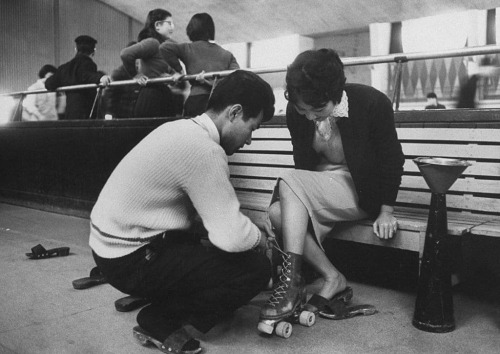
x: 245, y: 88
x: 431, y: 95
x: 85, y: 44
x: 201, y: 27
x: 46, y: 69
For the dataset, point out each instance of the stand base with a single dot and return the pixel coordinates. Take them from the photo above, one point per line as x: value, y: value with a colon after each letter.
x: 428, y: 327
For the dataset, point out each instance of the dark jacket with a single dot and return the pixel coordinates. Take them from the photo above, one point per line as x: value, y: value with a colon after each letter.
x: 371, y: 147
x: 79, y: 70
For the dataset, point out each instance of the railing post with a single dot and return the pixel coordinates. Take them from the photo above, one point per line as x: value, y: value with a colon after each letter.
x: 18, y: 113
x: 96, y: 99
x: 397, y: 82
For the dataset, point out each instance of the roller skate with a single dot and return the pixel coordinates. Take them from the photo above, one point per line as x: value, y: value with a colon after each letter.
x: 285, y: 306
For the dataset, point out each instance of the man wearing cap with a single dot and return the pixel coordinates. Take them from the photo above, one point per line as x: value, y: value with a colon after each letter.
x: 79, y: 70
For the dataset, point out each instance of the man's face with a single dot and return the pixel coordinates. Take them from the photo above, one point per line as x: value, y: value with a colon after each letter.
x: 431, y: 101
x: 238, y: 131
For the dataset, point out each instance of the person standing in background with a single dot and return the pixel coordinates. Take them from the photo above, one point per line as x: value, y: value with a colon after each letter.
x: 120, y: 100
x: 79, y: 70
x: 200, y: 56
x: 432, y: 102
x: 41, y: 106
x: 153, y: 100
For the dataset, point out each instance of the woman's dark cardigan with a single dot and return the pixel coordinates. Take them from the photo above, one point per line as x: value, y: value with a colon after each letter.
x: 371, y: 147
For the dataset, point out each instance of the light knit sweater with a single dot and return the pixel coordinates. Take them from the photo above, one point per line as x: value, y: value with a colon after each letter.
x: 177, y: 171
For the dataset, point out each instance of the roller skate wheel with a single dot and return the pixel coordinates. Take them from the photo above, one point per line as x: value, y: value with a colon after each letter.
x: 307, y: 318
x: 265, y: 328
x: 284, y: 329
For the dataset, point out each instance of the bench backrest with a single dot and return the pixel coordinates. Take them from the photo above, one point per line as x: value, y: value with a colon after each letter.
x: 254, y: 169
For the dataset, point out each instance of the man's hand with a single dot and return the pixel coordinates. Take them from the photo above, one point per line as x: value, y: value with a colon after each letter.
x: 105, y: 80
x: 386, y: 225
x: 267, y: 232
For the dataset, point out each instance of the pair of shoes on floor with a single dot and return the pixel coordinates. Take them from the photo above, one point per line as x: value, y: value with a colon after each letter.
x: 337, y: 308
x: 39, y: 252
x: 124, y: 304
x: 179, y: 342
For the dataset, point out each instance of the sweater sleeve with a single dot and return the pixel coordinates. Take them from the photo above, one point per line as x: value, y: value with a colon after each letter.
x: 29, y: 103
x: 144, y: 49
x: 233, y: 63
x: 171, y: 53
x: 87, y: 72
x: 388, y: 151
x: 214, y: 198
x: 53, y: 82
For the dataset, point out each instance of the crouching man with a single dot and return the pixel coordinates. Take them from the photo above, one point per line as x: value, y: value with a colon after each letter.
x: 140, y: 225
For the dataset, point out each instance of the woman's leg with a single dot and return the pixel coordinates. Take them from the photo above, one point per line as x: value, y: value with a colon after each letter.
x: 290, y: 218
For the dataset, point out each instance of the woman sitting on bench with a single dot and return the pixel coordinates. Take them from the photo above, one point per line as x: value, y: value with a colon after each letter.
x: 348, y: 166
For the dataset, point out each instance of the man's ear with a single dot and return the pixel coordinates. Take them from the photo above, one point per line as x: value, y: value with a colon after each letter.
x: 235, y: 111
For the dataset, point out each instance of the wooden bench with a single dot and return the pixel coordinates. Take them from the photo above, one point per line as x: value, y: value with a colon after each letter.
x: 473, y: 201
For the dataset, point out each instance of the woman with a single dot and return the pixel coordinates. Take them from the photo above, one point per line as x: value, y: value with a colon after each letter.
x: 200, y: 56
x: 348, y: 166
x: 153, y: 100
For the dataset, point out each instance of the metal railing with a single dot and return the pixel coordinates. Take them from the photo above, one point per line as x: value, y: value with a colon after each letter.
x: 399, y: 59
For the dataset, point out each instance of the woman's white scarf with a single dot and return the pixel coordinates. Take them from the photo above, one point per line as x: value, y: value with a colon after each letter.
x: 324, y: 127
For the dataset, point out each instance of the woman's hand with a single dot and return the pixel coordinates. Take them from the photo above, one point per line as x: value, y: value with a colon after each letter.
x: 386, y: 225
x: 141, y: 79
x: 201, y: 79
x: 177, y: 76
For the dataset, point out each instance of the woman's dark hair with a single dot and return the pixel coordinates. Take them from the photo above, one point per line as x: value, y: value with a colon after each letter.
x: 149, y: 30
x: 316, y: 77
x: 245, y: 88
x: 47, y: 68
x: 201, y: 27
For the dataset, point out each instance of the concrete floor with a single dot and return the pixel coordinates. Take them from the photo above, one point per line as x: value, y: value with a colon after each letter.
x: 40, y: 312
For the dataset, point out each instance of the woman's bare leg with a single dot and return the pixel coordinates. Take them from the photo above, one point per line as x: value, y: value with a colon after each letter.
x: 290, y: 218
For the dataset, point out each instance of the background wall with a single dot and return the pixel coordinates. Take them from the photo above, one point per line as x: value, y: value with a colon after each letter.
x: 355, y: 43
x: 38, y: 32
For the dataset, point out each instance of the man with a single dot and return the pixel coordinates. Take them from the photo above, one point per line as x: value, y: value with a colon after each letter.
x: 140, y: 225
x: 41, y: 106
x: 79, y: 70
x: 120, y: 100
x: 432, y: 102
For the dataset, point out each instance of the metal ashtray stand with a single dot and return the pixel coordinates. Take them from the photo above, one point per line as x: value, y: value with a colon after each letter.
x: 434, y: 302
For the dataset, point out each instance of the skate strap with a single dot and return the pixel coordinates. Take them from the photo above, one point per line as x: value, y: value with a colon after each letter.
x: 338, y: 310
x: 176, y: 341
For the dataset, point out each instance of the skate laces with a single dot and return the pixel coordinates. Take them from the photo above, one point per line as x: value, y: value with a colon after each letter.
x: 280, y: 289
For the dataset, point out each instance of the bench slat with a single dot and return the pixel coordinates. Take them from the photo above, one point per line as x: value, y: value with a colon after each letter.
x: 452, y: 151
x: 491, y: 228
x: 455, y: 134
x: 477, y: 168
x: 464, y: 185
x: 440, y: 134
x: 264, y: 159
x: 258, y: 171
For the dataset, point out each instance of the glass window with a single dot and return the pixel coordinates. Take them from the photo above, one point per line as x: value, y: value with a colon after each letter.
x: 435, y: 33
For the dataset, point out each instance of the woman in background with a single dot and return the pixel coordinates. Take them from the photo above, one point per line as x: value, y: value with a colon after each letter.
x: 153, y: 100
x: 200, y: 56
